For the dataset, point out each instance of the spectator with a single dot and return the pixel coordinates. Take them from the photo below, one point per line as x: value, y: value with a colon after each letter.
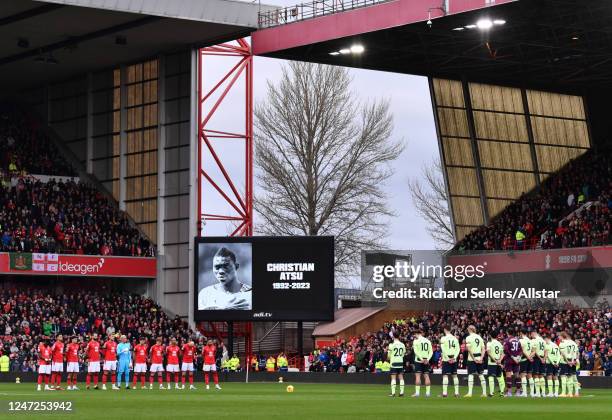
x: 66, y: 217
x: 25, y: 148
x: 572, y: 208
x: 4, y: 363
x: 282, y: 362
x: 56, y: 216
x: 43, y: 309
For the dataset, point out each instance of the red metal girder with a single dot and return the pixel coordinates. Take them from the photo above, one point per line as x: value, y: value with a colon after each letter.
x: 223, y: 95
x: 222, y: 193
x: 244, y: 210
x: 225, y: 134
x: 220, y: 82
x: 378, y: 17
x: 228, y: 179
x: 208, y: 216
x: 243, y: 68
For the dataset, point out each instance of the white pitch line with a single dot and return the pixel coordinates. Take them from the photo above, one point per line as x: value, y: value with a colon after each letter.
x: 13, y: 393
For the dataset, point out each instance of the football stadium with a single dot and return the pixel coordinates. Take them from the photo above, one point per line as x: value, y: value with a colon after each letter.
x: 185, y: 235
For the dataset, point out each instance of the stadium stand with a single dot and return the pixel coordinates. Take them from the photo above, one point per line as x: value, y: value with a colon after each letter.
x: 25, y: 149
x: 28, y: 315
x: 591, y: 328
x: 57, y: 216
x: 571, y: 209
x: 65, y: 217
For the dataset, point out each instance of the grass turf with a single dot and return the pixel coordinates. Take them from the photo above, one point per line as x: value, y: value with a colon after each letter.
x: 308, y: 401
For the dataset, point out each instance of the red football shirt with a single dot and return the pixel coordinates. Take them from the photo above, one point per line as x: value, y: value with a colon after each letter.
x: 44, y: 354
x: 93, y: 351
x: 173, y: 355
x: 210, y: 353
x: 58, y: 352
x: 72, y: 352
x: 157, y: 354
x: 140, y: 351
x: 110, y: 353
x: 188, y: 352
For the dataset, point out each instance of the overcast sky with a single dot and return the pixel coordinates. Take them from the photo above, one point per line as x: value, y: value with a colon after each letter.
x: 413, y: 123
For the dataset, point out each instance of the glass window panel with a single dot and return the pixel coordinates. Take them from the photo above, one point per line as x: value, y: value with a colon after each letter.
x: 462, y: 181
x: 453, y: 122
x: 496, y: 98
x: 458, y: 151
x: 448, y: 93
x: 467, y: 211
x: 495, y: 126
x: 507, y: 184
x: 551, y: 158
x: 503, y: 155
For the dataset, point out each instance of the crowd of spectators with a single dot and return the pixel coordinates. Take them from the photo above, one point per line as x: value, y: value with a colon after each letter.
x: 25, y: 148
x: 65, y: 217
x: 582, y: 190
x: 55, y: 216
x: 29, y: 315
x: 591, y: 329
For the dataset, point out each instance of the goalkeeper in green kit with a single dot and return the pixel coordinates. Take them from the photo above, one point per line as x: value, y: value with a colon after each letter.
x: 396, y: 353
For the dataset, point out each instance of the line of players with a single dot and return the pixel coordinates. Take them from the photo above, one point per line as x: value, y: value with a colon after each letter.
x: 119, y: 359
x: 536, y: 363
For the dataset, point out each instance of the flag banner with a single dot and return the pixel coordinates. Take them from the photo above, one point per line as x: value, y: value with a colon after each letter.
x: 21, y: 262
x: 36, y: 266
x: 77, y: 265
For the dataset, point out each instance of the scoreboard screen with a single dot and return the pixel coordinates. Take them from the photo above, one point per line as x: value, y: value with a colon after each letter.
x: 288, y: 278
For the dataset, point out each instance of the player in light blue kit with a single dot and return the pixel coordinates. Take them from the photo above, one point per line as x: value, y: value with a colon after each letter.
x: 124, y: 356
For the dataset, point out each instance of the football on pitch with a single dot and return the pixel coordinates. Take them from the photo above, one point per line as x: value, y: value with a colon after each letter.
x: 289, y: 388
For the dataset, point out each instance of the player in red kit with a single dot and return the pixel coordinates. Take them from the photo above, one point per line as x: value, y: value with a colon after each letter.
x: 72, y: 363
x: 44, y: 365
x: 140, y: 362
x: 57, y: 362
x: 172, y: 353
x: 110, y: 362
x: 157, y: 363
x: 188, y: 351
x: 210, y: 363
x: 92, y: 352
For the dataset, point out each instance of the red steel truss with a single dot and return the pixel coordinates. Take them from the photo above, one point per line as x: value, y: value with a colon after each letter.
x: 240, y: 202
x: 212, y: 94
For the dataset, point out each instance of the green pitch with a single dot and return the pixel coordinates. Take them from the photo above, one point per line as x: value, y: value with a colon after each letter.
x: 308, y: 401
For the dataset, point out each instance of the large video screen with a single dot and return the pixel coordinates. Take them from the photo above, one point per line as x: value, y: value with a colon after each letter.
x: 264, y: 278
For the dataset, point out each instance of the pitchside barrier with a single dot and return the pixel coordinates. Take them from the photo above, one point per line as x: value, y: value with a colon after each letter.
x: 29, y: 378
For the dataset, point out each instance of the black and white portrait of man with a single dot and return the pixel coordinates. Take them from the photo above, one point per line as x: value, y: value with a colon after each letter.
x: 225, y: 277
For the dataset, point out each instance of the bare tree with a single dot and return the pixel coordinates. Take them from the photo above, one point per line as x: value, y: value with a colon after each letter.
x: 431, y: 202
x: 322, y: 160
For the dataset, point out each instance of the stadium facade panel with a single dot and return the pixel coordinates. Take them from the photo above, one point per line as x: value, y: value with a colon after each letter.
x: 498, y: 143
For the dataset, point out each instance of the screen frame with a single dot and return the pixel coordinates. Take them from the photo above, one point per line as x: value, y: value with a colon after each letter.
x: 234, y: 315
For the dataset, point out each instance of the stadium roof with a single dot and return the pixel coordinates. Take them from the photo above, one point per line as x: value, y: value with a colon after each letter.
x: 84, y: 35
x: 343, y: 319
x: 557, y: 44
